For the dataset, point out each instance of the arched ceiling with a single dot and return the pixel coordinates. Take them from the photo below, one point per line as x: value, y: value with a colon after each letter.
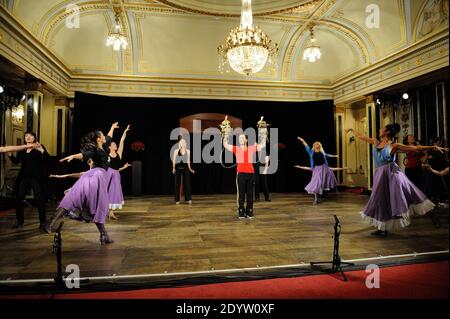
x: 179, y: 38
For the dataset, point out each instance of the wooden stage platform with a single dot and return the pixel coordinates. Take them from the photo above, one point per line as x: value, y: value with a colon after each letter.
x: 155, y: 236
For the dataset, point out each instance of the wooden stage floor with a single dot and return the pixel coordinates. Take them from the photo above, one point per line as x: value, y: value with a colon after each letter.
x: 154, y: 236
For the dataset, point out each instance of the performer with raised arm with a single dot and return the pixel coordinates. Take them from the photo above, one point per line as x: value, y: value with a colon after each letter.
x: 113, y: 180
x: 90, y: 192
x: 394, y: 197
x: 31, y: 176
x: 181, y: 167
x: 323, y: 178
x: 245, y: 172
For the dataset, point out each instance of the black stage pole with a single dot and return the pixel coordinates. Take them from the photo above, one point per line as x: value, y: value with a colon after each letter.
x: 336, y: 262
x: 57, y: 249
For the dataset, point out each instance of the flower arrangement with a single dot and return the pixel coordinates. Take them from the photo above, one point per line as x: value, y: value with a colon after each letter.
x: 137, y: 146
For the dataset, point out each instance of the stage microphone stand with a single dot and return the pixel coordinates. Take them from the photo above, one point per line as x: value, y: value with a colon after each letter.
x: 57, y: 249
x: 336, y: 262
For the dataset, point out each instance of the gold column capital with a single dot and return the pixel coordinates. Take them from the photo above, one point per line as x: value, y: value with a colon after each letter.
x: 61, y: 101
x: 339, y: 108
x: 34, y: 85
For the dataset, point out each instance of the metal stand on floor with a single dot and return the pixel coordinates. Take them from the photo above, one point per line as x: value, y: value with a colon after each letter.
x: 57, y: 249
x: 336, y: 262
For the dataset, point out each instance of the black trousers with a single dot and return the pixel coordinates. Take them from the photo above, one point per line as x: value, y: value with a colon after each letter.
x: 22, y: 187
x: 257, y: 189
x: 262, y: 185
x: 245, y: 184
x: 182, y: 172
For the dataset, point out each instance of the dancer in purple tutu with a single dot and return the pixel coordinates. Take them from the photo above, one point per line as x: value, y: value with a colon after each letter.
x: 394, y: 197
x: 113, y: 180
x: 89, y: 195
x: 323, y: 178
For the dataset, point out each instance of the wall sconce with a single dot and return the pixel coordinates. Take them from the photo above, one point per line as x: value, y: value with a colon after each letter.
x: 17, y: 114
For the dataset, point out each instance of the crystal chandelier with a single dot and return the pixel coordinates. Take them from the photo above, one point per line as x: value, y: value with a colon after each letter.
x: 312, y: 50
x: 247, y: 48
x: 116, y: 38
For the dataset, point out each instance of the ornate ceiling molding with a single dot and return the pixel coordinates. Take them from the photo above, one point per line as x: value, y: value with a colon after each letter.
x: 320, y: 11
x: 208, y: 90
x: 21, y: 47
x: 60, y: 14
x: 419, y: 59
x: 296, y: 43
x: 300, y: 8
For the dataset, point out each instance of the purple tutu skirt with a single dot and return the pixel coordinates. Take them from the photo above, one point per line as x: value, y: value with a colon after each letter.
x: 114, y: 185
x: 89, y: 194
x: 322, y: 179
x: 394, y: 199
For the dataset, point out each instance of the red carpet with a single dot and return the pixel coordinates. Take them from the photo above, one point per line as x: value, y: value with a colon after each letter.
x: 428, y: 280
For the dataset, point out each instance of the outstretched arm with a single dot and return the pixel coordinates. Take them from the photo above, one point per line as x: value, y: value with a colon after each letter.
x: 398, y: 147
x: 444, y: 172
x: 74, y: 175
x: 339, y: 168
x: 124, y: 167
x: 7, y: 149
x: 306, y: 168
x: 303, y: 141
x: 362, y: 137
x: 113, y: 127
x: 122, y: 141
x: 69, y: 158
x: 227, y: 146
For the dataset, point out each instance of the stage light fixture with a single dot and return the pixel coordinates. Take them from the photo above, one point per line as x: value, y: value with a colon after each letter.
x: 405, y: 96
x: 2, y: 89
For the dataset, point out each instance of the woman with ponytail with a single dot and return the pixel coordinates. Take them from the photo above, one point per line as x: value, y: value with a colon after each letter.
x: 394, y: 197
x: 89, y: 195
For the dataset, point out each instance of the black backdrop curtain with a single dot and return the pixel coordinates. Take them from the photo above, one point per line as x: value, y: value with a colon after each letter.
x: 152, y: 120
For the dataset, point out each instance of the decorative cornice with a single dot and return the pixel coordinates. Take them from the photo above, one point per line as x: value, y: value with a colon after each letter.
x: 303, y: 7
x: 425, y: 59
x: 209, y: 91
x: 23, y: 49
x: 430, y: 40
